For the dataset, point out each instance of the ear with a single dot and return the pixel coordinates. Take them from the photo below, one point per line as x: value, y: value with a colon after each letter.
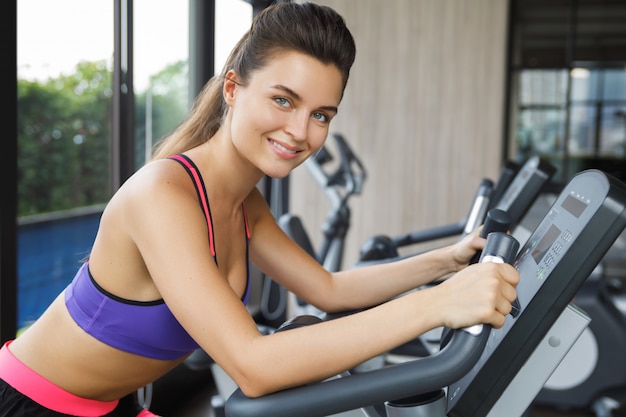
x: 231, y: 82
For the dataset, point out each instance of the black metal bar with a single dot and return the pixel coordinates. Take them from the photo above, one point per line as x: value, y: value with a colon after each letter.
x: 368, y: 388
x: 201, y: 44
x: 8, y: 203
x: 123, y: 105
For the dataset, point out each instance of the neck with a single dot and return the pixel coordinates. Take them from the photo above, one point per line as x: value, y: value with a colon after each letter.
x: 228, y: 176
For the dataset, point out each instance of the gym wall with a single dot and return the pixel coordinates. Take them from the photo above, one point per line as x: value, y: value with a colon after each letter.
x: 424, y: 111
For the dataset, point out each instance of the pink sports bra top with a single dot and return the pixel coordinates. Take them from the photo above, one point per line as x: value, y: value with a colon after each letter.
x: 146, y: 328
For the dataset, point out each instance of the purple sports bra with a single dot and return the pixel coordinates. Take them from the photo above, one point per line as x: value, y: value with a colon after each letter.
x: 146, y: 328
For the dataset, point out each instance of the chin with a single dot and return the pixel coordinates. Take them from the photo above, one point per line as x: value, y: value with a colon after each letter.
x: 277, y: 175
x: 282, y: 171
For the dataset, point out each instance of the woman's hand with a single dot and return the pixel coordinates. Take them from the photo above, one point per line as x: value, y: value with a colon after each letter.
x: 480, y: 293
x: 466, y: 248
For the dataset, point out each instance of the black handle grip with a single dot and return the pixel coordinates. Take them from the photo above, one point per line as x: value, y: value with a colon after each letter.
x: 500, y: 246
x: 496, y: 221
x: 504, y: 247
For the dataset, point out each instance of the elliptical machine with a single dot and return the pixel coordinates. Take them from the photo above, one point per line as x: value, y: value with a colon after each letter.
x: 592, y: 377
x: 487, y: 372
x: 338, y: 186
x: 515, y: 191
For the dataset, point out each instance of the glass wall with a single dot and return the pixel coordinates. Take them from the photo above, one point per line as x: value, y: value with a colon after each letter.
x: 160, y: 70
x: 575, y: 118
x: 64, y: 58
x: 232, y: 20
x: 65, y: 101
x: 568, y: 85
x: 64, y: 88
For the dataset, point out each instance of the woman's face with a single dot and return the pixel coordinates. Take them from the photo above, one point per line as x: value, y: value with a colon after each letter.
x: 282, y: 116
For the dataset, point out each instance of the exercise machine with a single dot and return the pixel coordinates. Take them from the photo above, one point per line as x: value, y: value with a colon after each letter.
x: 491, y: 372
x: 592, y: 377
x: 340, y: 177
x: 496, y: 221
x: 338, y: 186
x: 513, y: 193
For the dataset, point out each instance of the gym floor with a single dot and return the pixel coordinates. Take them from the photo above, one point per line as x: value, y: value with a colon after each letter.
x: 188, y: 394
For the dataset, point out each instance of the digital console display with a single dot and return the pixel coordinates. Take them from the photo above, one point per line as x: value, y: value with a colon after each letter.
x: 545, y: 243
x: 574, y: 206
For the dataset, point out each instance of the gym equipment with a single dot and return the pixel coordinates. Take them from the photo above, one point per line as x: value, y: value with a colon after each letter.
x: 338, y: 186
x: 525, y: 187
x: 496, y: 221
x: 592, y: 377
x: 481, y: 371
x: 383, y: 247
x: 507, y: 173
x: 346, y: 181
x: 341, y: 183
x: 515, y: 196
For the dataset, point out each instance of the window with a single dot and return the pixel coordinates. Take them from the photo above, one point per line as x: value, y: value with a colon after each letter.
x: 568, y: 84
x: 160, y: 70
x: 65, y: 51
x: 232, y: 20
x: 65, y: 121
x: 65, y: 64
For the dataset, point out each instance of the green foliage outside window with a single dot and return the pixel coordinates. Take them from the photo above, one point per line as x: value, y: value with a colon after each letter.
x: 64, y: 133
x: 63, y: 140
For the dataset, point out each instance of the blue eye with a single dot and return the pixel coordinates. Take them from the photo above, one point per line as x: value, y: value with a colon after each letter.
x: 282, y: 101
x: 320, y: 116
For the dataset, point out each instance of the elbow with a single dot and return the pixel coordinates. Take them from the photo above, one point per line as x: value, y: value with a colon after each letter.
x: 254, y: 387
x: 252, y: 378
x: 253, y: 390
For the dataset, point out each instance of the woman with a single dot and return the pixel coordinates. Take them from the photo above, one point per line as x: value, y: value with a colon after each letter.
x: 168, y: 271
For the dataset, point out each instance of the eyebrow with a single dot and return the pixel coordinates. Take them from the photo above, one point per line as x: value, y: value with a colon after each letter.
x: 297, y: 97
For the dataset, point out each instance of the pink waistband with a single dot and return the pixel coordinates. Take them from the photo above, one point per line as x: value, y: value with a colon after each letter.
x: 44, y: 392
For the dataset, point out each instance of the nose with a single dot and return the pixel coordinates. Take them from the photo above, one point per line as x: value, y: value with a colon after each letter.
x: 298, y: 125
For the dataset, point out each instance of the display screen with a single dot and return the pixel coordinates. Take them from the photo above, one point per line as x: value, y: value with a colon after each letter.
x: 574, y: 206
x: 545, y: 243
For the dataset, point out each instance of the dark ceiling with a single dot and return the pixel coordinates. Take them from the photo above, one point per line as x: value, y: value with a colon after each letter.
x: 556, y: 33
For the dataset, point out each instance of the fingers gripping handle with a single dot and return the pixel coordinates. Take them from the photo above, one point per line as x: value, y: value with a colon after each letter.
x: 499, y: 248
x: 496, y: 221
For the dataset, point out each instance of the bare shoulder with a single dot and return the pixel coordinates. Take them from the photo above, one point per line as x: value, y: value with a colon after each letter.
x: 162, y: 175
x: 157, y: 200
x: 158, y: 193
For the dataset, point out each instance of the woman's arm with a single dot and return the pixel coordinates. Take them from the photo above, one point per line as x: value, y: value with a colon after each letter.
x: 380, y: 282
x: 171, y: 234
x: 350, y: 289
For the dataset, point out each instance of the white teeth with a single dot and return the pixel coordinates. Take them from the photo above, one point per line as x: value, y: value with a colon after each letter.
x: 281, y: 147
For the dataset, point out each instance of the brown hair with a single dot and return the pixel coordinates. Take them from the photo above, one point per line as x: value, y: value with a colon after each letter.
x: 309, y: 28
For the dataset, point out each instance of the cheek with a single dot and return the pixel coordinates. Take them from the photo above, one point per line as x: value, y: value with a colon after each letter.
x: 317, y: 138
x: 251, y: 119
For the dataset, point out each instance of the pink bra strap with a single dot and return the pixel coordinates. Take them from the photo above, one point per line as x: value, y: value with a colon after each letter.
x: 199, y: 187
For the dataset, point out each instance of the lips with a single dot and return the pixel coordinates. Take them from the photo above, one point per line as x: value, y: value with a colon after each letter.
x: 283, y: 148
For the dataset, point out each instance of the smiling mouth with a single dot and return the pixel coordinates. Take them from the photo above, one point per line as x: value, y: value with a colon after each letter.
x: 282, y: 148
